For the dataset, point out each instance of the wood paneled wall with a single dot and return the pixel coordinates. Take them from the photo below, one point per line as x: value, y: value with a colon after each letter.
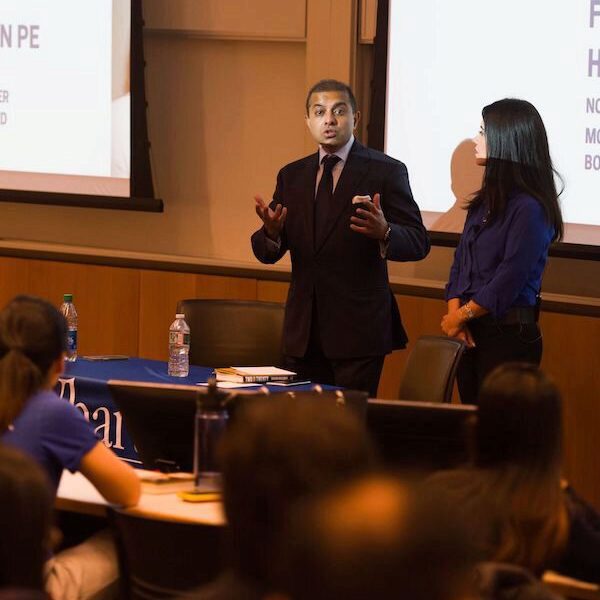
x: 128, y: 311
x: 264, y: 19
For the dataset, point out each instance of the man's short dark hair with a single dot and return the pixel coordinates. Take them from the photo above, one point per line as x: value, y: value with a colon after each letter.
x: 277, y: 451
x: 331, y: 85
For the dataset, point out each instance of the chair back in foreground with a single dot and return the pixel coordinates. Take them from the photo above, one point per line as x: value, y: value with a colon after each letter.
x: 431, y: 369
x: 161, y: 558
x: 233, y: 333
x: 421, y: 436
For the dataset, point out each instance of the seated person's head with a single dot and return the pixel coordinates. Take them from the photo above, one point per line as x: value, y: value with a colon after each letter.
x: 514, y: 494
x: 25, y: 520
x: 377, y: 538
x: 33, y: 337
x: 277, y: 451
x: 519, y: 419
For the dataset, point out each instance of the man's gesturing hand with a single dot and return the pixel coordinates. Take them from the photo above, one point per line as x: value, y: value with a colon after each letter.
x: 273, y: 219
x: 370, y: 220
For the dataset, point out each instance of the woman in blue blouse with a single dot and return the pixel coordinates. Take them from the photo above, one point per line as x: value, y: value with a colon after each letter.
x: 495, y: 279
x: 55, y: 434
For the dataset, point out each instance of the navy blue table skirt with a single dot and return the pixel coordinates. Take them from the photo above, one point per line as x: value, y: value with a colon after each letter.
x: 84, y: 384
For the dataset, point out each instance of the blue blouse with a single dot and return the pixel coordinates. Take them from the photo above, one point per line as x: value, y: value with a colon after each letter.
x: 53, y: 432
x: 499, y: 265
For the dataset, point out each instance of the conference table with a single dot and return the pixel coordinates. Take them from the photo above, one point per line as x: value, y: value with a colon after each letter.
x: 85, y: 385
x: 76, y: 494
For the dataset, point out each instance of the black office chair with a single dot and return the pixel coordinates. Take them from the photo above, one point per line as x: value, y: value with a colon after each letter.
x: 227, y: 333
x: 422, y: 437
x: 160, y: 558
x: 431, y: 369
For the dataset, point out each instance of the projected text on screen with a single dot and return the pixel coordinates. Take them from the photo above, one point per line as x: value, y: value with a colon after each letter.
x: 64, y: 96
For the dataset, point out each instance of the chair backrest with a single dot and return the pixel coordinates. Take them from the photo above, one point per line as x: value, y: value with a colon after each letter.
x: 227, y: 333
x: 161, y: 558
x: 421, y: 436
x: 431, y: 369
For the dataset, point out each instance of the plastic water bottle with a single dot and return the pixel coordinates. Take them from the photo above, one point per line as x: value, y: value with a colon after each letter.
x: 67, y: 308
x: 179, y: 347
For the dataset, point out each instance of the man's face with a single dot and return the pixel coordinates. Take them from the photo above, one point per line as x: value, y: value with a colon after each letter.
x: 330, y: 119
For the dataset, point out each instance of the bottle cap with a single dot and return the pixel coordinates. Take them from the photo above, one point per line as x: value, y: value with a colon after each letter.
x: 180, y: 316
x: 68, y: 297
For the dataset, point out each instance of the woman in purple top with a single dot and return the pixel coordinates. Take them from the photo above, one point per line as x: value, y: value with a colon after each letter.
x: 495, y: 279
x: 56, y: 435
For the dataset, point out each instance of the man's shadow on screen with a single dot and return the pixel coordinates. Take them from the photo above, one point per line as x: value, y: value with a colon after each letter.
x: 466, y: 177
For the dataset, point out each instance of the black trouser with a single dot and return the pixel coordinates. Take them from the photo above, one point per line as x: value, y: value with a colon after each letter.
x: 352, y: 373
x: 495, y: 343
x: 360, y: 373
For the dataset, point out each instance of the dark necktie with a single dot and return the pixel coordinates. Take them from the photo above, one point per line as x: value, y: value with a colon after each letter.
x: 324, y: 195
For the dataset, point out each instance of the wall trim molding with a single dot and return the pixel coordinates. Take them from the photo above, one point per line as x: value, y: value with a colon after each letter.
x: 424, y: 288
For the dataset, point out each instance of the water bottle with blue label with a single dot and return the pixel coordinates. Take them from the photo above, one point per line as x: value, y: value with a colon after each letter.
x: 67, y: 308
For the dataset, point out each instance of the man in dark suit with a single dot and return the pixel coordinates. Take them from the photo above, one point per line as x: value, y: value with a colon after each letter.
x: 341, y: 317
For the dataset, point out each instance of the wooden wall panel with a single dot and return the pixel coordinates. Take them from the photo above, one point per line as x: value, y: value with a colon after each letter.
x: 254, y: 19
x: 272, y: 291
x: 14, y: 278
x: 572, y: 358
x: 106, y: 298
x: 368, y: 21
x: 231, y: 288
x: 159, y: 293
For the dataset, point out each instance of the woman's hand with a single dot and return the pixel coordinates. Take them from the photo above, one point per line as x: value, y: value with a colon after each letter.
x: 460, y: 332
x: 452, y: 323
x: 465, y: 336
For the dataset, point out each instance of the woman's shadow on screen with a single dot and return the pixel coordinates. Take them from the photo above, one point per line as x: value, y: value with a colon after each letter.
x: 466, y: 177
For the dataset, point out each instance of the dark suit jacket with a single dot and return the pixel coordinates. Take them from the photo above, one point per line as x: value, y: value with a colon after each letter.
x: 343, y: 272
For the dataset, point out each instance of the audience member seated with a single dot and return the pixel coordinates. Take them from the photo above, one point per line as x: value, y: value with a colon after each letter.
x: 25, y: 520
x: 514, y: 494
x: 277, y: 451
x: 55, y: 433
x: 377, y: 538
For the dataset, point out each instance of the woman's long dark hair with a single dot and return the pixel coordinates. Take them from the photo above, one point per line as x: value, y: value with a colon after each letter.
x: 519, y: 456
x: 33, y: 336
x: 518, y: 160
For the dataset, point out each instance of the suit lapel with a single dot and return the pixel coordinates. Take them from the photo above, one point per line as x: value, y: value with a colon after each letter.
x: 354, y: 171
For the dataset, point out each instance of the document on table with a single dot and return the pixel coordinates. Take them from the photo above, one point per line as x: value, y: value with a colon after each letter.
x: 227, y: 385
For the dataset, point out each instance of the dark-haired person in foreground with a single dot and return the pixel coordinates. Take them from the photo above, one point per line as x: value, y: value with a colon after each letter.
x: 514, y: 494
x: 381, y: 538
x: 377, y: 538
x: 341, y: 317
x: 493, y: 291
x: 276, y: 452
x: 26, y: 502
x: 55, y: 434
